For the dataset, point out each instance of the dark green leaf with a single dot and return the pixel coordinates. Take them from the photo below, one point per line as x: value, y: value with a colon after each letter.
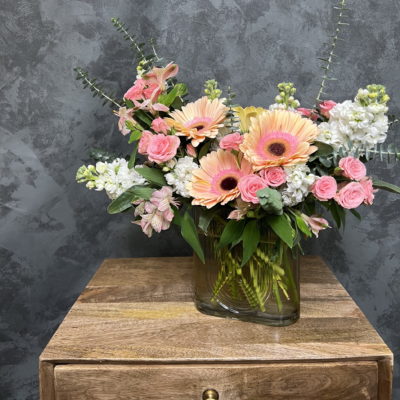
x: 282, y: 227
x: 386, y: 186
x: 302, y: 225
x: 204, y: 149
x: 132, y: 157
x: 189, y: 233
x: 124, y: 201
x: 140, y: 114
x: 153, y: 175
x: 324, y: 149
x: 204, y: 220
x: 356, y: 214
x: 232, y: 232
x: 178, y: 90
x: 251, y: 238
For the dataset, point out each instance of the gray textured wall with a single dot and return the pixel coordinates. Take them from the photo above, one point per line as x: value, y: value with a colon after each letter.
x: 54, y: 233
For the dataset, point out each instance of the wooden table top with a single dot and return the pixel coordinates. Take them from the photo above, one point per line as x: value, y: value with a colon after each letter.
x: 140, y: 311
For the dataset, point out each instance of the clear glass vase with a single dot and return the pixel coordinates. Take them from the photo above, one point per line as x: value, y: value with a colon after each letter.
x: 265, y: 290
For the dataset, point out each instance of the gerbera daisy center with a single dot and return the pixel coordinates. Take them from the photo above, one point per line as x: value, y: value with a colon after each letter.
x: 229, y: 183
x: 277, y: 148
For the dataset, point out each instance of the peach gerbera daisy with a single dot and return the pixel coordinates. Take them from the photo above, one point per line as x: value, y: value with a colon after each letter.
x: 216, y: 181
x: 279, y: 137
x: 199, y: 120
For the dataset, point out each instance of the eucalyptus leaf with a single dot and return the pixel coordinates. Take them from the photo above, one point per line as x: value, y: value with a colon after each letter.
x: 153, y: 175
x: 102, y: 155
x: 270, y: 200
x: 251, y: 238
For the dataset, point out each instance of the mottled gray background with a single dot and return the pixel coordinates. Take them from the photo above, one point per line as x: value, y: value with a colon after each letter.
x: 54, y: 233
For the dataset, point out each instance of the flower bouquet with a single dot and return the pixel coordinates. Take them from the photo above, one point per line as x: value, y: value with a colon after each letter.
x: 243, y: 184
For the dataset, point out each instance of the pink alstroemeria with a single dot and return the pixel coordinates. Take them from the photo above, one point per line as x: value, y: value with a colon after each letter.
x: 315, y: 223
x: 158, y: 77
x: 124, y: 114
x: 308, y: 112
x: 156, y: 214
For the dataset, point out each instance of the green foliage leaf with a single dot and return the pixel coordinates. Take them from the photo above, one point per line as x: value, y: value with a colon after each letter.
x: 132, y: 157
x: 135, y: 135
x: 189, y: 233
x: 282, y: 227
x: 271, y: 200
x: 324, y: 149
x: 204, y: 149
x: 205, y: 218
x: 356, y: 214
x: 153, y: 175
x: 232, y: 232
x: 338, y: 214
x: 178, y: 90
x: 302, y: 225
x: 140, y: 114
x: 386, y: 186
x: 124, y: 201
x: 251, y: 238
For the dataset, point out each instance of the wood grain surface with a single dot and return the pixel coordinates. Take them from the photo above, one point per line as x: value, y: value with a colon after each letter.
x: 322, y: 381
x: 137, y: 317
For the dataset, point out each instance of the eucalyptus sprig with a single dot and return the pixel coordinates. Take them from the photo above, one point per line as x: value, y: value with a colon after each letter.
x: 232, y: 120
x: 328, y: 60
x: 95, y: 88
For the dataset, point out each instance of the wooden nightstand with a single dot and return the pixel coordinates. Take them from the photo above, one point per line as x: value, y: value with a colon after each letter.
x: 135, y: 334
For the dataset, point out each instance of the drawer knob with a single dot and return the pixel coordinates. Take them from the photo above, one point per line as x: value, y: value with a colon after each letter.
x: 210, y: 394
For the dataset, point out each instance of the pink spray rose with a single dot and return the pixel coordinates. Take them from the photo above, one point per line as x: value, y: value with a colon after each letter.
x: 324, y: 188
x: 162, y: 148
x: 369, y: 190
x: 144, y: 142
x: 352, y: 168
x: 315, y: 223
x: 249, y: 185
x: 231, y: 141
x: 159, y: 125
x: 273, y: 176
x: 325, y: 107
x: 351, y: 195
x: 308, y: 112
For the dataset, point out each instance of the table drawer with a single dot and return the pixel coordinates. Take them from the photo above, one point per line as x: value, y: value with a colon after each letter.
x: 301, y: 381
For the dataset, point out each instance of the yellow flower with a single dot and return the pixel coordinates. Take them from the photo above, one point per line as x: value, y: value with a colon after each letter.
x: 245, y: 114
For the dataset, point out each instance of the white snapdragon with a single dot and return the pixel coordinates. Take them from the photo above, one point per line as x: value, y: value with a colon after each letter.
x: 181, y: 175
x: 298, y: 182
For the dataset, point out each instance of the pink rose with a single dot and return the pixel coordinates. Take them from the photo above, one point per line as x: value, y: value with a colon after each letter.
x: 273, y: 176
x: 162, y: 148
x: 144, y: 142
x: 231, y: 141
x: 159, y: 125
x: 190, y: 150
x: 315, y: 223
x: 352, y: 168
x: 324, y: 188
x: 326, y: 106
x: 308, y: 112
x: 369, y: 190
x: 249, y: 185
x: 136, y: 91
x: 351, y: 195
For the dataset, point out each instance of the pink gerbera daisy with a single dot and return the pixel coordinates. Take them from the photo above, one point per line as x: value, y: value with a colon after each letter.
x: 199, y: 120
x: 216, y: 181
x: 279, y: 137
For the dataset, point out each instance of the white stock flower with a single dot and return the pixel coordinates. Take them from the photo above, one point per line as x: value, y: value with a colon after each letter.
x: 351, y: 122
x: 181, y: 175
x: 298, y: 182
x: 115, y: 177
